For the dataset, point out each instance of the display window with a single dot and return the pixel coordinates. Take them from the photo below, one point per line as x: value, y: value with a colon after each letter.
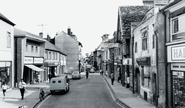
x: 178, y: 89
x: 5, y: 72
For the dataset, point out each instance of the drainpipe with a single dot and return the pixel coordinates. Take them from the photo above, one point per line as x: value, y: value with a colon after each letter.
x: 157, y: 78
x: 133, y: 66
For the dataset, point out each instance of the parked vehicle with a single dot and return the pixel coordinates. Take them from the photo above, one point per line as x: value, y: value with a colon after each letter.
x: 59, y: 84
x: 76, y: 74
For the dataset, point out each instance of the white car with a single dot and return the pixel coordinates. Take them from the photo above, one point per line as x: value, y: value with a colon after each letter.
x: 76, y: 74
x: 59, y: 84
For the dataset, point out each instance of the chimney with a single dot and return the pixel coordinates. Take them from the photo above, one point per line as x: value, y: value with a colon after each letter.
x: 148, y: 3
x: 105, y: 37
x: 41, y: 34
x: 48, y: 38
x: 69, y: 31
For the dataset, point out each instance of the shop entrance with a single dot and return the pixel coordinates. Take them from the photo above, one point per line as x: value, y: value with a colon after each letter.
x: 137, y: 81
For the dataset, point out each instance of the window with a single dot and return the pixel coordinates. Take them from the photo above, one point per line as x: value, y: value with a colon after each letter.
x: 145, y: 77
x: 53, y: 55
x: 135, y: 47
x: 175, y: 27
x: 178, y: 28
x: 26, y: 48
x: 32, y: 48
x: 144, y: 39
x: 46, y: 55
x: 8, y: 40
x: 153, y: 43
x: 36, y: 49
x: 49, y: 56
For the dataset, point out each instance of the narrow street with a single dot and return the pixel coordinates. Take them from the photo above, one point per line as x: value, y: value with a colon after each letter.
x: 84, y: 93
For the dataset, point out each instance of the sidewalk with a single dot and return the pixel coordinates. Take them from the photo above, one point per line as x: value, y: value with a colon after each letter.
x: 125, y: 97
x: 31, y: 98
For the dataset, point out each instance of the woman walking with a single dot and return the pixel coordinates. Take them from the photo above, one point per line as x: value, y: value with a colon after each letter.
x: 22, y: 86
x: 4, y: 87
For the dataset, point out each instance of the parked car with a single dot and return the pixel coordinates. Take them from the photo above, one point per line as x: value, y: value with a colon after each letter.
x: 76, y: 74
x: 59, y: 84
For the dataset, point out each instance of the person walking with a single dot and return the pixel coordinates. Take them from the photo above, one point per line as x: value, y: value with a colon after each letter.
x: 4, y: 87
x: 22, y: 86
x: 112, y: 78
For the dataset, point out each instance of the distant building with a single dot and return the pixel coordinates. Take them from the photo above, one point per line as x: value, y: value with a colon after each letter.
x: 6, y: 51
x: 54, y: 60
x: 72, y: 47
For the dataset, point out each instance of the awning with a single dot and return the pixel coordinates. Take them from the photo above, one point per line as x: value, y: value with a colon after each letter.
x: 33, y: 67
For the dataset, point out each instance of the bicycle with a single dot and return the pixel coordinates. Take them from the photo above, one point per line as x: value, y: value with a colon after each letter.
x: 41, y: 94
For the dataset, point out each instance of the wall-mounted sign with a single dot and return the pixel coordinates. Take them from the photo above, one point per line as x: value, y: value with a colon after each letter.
x: 28, y: 60
x: 144, y: 61
x: 110, y: 45
x: 178, y: 66
x: 38, y: 60
x: 176, y: 53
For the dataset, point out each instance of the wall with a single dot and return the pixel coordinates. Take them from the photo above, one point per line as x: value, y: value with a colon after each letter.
x: 71, y: 48
x: 150, y: 52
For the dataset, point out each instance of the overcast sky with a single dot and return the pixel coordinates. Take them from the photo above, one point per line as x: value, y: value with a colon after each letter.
x: 88, y: 19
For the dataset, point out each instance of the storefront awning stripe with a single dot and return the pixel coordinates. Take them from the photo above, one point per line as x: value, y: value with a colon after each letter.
x: 33, y: 67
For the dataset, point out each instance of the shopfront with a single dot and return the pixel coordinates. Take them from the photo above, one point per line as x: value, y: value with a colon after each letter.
x: 33, y: 72
x: 51, y: 68
x: 5, y: 72
x: 176, y: 60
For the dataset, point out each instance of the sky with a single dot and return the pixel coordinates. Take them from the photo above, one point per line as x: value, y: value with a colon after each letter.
x: 88, y: 19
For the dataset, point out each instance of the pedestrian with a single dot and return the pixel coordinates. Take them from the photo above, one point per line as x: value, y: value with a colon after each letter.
x: 112, y: 78
x: 22, y: 86
x: 49, y: 76
x: 4, y: 87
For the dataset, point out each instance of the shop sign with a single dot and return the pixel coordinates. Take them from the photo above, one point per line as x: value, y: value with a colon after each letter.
x: 178, y: 66
x: 145, y: 61
x: 28, y: 60
x: 176, y: 53
x: 110, y: 45
x: 47, y: 64
x: 38, y: 60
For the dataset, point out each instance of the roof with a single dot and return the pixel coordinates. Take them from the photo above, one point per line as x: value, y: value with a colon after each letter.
x: 2, y: 17
x: 50, y: 46
x: 170, y: 4
x: 128, y: 14
x: 31, y: 36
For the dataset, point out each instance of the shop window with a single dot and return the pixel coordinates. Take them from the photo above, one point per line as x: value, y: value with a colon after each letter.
x: 178, y: 89
x: 8, y: 40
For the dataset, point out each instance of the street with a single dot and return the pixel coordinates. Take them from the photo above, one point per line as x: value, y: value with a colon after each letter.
x: 84, y: 93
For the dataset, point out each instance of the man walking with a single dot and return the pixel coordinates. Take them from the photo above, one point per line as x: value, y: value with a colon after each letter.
x: 112, y: 78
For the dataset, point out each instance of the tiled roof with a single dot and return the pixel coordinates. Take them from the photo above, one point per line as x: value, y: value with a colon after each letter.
x: 2, y: 17
x: 128, y: 14
x: 50, y: 46
x: 31, y: 36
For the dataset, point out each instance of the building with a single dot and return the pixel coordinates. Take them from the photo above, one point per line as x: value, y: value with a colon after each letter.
x: 69, y: 44
x: 29, y: 56
x: 145, y: 58
x: 6, y: 51
x: 123, y: 54
x: 54, y: 60
x: 171, y: 27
